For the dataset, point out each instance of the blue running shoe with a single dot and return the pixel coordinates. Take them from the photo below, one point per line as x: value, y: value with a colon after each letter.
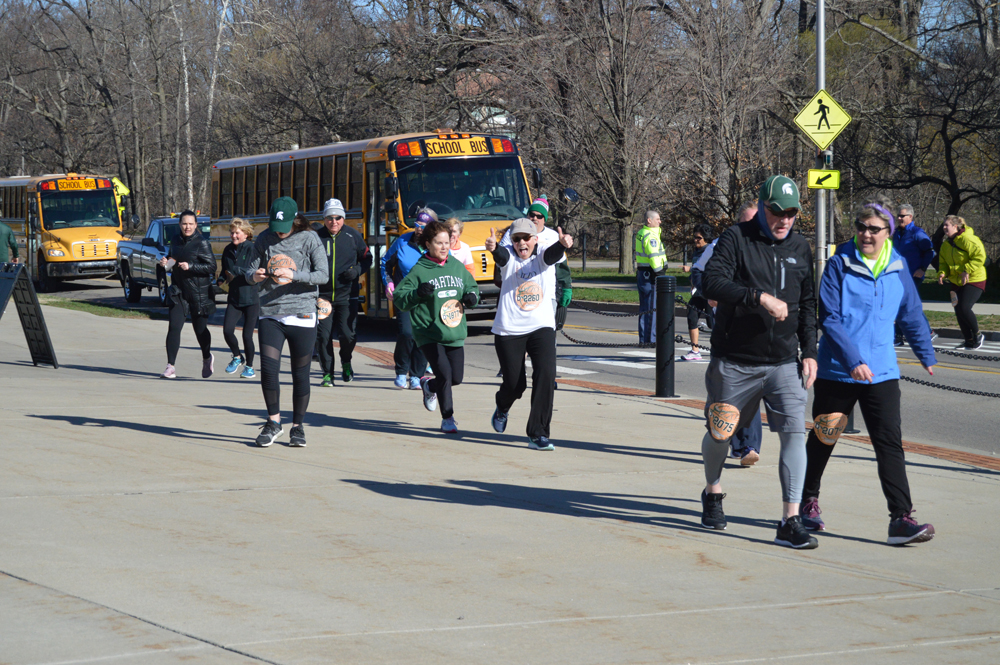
x: 400, y: 381
x: 234, y: 364
x: 499, y: 420
x: 414, y: 383
x: 540, y: 443
x: 248, y: 373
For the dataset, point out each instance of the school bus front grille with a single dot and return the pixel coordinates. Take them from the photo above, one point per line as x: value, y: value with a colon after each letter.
x: 93, y: 250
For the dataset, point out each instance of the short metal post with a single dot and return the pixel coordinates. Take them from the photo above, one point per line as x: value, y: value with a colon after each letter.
x: 850, y: 428
x: 666, y: 286
x: 583, y: 246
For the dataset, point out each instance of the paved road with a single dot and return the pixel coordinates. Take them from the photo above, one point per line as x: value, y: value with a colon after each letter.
x: 930, y: 415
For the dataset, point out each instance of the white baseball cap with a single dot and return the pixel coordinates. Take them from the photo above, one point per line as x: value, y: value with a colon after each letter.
x: 333, y: 208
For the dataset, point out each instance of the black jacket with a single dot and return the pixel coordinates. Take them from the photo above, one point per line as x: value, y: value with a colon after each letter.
x: 235, y: 258
x: 193, y: 287
x: 349, y: 259
x: 745, y: 263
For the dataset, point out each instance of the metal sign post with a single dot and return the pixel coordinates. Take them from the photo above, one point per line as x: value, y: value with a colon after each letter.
x: 820, y: 85
x: 14, y: 281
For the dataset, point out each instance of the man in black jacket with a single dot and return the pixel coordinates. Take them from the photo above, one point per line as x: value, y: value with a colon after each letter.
x: 761, y: 274
x: 349, y: 259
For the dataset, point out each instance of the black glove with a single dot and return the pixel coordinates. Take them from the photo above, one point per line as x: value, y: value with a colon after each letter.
x: 470, y: 299
x: 425, y: 289
x: 348, y: 275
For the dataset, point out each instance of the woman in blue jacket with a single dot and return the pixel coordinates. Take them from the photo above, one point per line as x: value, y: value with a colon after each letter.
x: 395, y: 265
x: 866, y: 287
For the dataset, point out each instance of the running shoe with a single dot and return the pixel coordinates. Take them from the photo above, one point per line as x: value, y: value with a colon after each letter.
x: 327, y: 382
x: 400, y: 381
x: 430, y: 399
x: 540, y: 443
x: 898, y: 340
x: 934, y: 335
x: 297, y: 437
x: 208, y: 366
x: 268, y: 433
x: 702, y: 326
x: 500, y: 374
x: 791, y: 533
x: 248, y: 373
x: 169, y: 372
x: 751, y: 458
x: 415, y: 382
x: 811, y: 519
x: 977, y: 343
x: 905, y: 530
x: 346, y: 373
x: 712, y: 516
x: 499, y: 420
x: 691, y: 356
x: 449, y: 426
x: 234, y: 364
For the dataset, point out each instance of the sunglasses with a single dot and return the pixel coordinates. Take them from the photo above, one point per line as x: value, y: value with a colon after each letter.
x: 874, y: 230
x: 336, y: 218
x: 784, y: 214
x: 535, y: 215
x: 698, y: 238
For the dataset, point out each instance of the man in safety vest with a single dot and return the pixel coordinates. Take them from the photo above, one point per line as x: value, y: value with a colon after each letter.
x: 651, y: 262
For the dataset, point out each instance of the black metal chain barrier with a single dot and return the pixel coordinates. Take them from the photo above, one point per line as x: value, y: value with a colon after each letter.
x: 621, y: 315
x: 966, y: 391
x: 631, y: 345
x: 970, y: 356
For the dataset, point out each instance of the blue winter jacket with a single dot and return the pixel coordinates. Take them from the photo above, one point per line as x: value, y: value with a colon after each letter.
x: 400, y: 258
x: 915, y: 246
x: 857, y: 312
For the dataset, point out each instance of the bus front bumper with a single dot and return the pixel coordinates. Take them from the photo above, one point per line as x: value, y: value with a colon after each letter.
x: 81, y: 269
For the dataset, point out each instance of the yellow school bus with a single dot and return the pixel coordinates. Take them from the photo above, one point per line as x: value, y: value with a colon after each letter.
x: 67, y: 225
x: 382, y: 182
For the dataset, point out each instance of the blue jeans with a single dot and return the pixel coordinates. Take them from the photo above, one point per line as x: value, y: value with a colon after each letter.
x: 748, y: 438
x: 646, y: 281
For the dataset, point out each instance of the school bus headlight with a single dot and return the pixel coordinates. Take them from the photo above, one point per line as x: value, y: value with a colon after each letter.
x: 56, y: 252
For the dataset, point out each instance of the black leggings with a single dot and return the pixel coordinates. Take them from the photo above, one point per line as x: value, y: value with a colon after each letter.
x: 540, y: 345
x: 879, y: 404
x: 448, y: 365
x: 250, y: 314
x: 200, y: 325
x: 966, y: 297
x: 272, y: 335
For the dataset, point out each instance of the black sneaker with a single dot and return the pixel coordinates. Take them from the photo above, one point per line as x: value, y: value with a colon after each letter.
x: 793, y: 534
x: 712, y: 516
x: 977, y: 343
x: 898, y: 341
x: 905, y: 530
x: 268, y: 433
x: 297, y: 437
x: 346, y: 373
x: 499, y: 420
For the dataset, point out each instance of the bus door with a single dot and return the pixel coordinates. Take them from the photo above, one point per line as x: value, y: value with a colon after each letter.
x: 375, y: 236
x: 32, y: 239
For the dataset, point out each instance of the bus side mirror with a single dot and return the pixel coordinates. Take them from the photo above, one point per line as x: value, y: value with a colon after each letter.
x: 33, y: 215
x: 391, y: 193
x: 536, y: 177
x: 133, y: 224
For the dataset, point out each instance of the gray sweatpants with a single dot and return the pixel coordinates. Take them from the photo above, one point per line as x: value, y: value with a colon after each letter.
x: 743, y: 387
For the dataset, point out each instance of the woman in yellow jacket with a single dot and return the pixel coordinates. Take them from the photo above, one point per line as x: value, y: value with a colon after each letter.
x: 963, y: 262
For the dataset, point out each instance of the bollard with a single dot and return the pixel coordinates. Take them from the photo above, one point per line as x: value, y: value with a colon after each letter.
x: 583, y: 244
x: 666, y: 286
x: 849, y: 428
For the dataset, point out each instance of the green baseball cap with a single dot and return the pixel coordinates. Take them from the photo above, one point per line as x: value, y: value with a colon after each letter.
x: 779, y: 193
x: 282, y: 214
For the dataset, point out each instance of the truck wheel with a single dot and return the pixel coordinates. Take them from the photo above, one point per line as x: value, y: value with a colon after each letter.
x: 44, y: 283
x: 133, y: 292
x: 161, y: 285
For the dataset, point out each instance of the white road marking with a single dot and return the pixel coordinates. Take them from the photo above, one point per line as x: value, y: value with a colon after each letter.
x: 614, y: 363
x: 566, y: 370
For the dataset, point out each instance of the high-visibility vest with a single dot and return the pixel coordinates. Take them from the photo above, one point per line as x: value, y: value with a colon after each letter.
x: 649, y: 251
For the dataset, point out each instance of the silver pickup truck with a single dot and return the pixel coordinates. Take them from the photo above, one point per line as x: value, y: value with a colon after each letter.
x: 138, y: 260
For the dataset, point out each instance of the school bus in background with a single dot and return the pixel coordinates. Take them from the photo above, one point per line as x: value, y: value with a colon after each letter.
x: 382, y: 182
x: 67, y: 225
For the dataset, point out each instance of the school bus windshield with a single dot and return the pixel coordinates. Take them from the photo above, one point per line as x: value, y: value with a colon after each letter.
x: 470, y: 189
x: 64, y: 210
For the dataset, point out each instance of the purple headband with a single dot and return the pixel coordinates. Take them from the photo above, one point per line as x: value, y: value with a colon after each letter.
x: 424, y: 218
x: 892, y: 220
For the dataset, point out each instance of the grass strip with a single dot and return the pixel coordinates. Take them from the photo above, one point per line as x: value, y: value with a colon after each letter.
x: 101, y: 310
x: 989, y: 322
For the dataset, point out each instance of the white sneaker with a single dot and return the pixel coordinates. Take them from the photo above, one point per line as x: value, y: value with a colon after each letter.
x: 691, y: 355
x: 430, y: 399
x: 169, y: 372
x: 449, y: 426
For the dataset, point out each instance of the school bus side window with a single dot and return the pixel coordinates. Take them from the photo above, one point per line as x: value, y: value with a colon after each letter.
x: 340, y: 184
x: 357, y: 174
x: 227, y: 193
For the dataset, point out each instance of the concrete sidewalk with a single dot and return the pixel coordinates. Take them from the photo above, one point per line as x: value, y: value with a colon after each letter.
x: 140, y: 525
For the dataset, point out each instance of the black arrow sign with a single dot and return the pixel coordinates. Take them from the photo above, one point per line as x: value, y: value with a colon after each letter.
x: 819, y: 181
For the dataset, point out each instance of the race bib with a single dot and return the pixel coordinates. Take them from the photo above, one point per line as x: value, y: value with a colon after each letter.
x: 451, y: 313
x: 528, y: 296
x: 954, y: 299
x: 280, y: 261
x: 323, y: 308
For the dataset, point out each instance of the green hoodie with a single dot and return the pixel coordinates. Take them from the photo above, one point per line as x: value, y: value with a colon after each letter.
x: 451, y: 281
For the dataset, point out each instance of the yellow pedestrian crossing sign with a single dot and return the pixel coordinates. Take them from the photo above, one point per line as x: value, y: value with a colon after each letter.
x: 822, y: 119
x: 823, y: 179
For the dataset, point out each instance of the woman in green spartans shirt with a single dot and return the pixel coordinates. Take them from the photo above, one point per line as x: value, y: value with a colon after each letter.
x: 436, y: 292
